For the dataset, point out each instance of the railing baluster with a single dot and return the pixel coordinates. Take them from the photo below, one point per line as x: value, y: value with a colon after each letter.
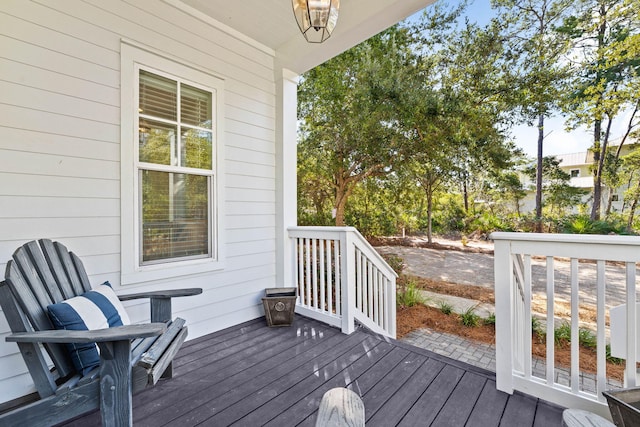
x: 369, y: 300
x: 550, y: 322
x: 632, y: 340
x: 600, y: 333
x: 359, y: 280
x: 314, y: 271
x: 330, y: 282
x: 338, y: 276
x: 527, y: 316
x: 321, y: 282
x: 300, y: 278
x: 308, y: 272
x: 575, y: 325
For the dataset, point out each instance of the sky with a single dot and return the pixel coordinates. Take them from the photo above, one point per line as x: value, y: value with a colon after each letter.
x: 557, y: 139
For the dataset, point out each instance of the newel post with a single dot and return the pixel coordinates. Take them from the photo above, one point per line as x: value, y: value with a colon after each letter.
x: 503, y: 274
x: 348, y: 281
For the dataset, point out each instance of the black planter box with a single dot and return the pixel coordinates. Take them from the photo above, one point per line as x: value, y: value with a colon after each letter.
x: 624, y: 406
x: 279, y: 306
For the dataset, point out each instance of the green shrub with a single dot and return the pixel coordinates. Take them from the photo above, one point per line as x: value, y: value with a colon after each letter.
x: 562, y: 334
x: 445, y: 307
x: 409, y: 295
x: 491, y: 320
x: 582, y: 224
x: 586, y: 338
x: 469, y: 317
x: 536, y: 327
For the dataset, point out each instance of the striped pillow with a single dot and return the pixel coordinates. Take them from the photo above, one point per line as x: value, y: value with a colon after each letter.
x: 99, y: 308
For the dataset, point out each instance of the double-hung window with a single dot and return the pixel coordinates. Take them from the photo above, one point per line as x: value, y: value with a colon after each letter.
x: 175, y: 170
x: 172, y: 186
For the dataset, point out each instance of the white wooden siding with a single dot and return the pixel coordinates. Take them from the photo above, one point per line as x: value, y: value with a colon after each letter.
x: 60, y: 149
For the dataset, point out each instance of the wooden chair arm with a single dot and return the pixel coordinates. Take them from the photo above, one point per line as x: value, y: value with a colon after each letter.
x: 161, y: 301
x: 171, y: 293
x: 116, y: 333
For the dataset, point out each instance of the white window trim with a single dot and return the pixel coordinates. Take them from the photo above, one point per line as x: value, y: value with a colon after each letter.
x: 132, y: 272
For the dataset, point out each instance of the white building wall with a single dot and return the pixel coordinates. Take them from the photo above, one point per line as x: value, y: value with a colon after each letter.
x: 60, y: 149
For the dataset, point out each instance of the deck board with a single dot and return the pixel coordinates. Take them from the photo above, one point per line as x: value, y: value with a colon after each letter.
x: 251, y: 375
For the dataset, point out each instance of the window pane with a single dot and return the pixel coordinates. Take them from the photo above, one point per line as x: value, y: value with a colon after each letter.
x: 174, y: 216
x: 195, y: 106
x: 158, y: 96
x: 157, y: 142
x: 196, y: 149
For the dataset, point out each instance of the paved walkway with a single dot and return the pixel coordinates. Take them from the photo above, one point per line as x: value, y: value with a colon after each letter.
x: 484, y: 356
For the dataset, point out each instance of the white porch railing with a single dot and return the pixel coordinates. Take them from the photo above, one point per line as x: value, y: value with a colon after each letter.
x: 589, y: 282
x: 342, y: 279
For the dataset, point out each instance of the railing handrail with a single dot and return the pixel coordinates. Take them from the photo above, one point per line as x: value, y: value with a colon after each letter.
x: 565, y: 238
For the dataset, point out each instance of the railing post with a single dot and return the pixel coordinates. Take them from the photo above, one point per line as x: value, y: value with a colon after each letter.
x: 391, y: 306
x: 503, y: 265
x: 347, y: 281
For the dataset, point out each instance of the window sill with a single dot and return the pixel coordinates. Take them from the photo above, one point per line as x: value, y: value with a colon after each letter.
x: 157, y: 272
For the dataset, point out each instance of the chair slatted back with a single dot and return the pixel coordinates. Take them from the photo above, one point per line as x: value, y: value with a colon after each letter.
x: 44, y: 274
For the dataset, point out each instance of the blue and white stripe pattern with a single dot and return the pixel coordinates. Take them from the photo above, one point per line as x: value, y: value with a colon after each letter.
x: 99, y: 308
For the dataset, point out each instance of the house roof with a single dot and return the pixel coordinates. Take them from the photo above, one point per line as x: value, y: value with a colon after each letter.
x: 575, y: 159
x: 271, y: 26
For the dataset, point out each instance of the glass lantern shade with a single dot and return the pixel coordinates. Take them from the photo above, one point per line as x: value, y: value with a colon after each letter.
x: 316, y: 18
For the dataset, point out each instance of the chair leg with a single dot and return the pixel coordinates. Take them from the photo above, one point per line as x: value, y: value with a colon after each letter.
x: 115, y: 383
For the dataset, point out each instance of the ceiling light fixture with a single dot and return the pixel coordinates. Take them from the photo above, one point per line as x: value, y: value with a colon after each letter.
x: 320, y: 16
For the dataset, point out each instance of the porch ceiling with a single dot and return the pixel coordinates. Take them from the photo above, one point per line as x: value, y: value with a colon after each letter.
x: 271, y: 25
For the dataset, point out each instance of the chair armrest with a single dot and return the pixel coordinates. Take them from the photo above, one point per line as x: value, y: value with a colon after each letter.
x: 116, y: 333
x: 171, y: 293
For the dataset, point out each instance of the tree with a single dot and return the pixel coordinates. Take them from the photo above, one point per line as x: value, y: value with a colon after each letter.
x: 535, y: 49
x: 606, y: 55
x: 347, y: 112
x: 631, y: 173
x: 558, y: 191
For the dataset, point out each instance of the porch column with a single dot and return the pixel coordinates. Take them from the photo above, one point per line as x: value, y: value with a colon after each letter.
x: 286, y: 174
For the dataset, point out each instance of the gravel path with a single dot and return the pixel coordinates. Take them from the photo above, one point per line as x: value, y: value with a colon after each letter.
x: 476, y: 269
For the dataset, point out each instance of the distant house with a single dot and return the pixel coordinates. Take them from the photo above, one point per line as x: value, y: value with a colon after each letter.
x: 579, y: 167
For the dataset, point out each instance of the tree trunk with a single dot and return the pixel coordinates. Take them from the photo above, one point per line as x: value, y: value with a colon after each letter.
x: 597, y: 181
x: 465, y: 192
x: 630, y: 127
x: 340, y: 200
x: 538, y: 225
x: 597, y: 173
x: 340, y: 203
x: 429, y: 214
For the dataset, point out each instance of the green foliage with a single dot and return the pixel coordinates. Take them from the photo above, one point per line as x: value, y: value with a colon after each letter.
x: 445, y: 307
x: 409, y: 295
x: 586, y: 338
x: 582, y: 224
x: 469, y: 317
x: 395, y: 262
x: 491, y: 320
x: 562, y: 334
x: 448, y: 215
x: 486, y: 223
x: 536, y: 326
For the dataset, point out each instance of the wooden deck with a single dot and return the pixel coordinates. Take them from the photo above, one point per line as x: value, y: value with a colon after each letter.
x: 251, y: 375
